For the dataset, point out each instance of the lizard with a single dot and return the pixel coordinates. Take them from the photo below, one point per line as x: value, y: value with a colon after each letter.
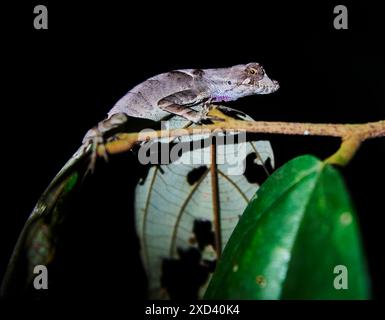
x: 180, y: 92
x: 186, y: 93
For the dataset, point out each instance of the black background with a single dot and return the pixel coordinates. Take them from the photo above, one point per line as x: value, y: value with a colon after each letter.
x: 61, y: 81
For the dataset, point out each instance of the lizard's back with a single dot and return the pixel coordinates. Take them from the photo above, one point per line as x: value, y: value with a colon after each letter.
x: 142, y: 100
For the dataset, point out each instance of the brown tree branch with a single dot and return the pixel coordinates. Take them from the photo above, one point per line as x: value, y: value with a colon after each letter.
x: 351, y: 134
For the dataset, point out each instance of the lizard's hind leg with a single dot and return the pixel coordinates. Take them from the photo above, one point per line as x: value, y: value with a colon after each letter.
x: 95, y: 137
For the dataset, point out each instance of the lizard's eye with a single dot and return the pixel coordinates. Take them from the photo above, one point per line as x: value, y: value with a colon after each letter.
x: 229, y: 82
x: 258, y: 71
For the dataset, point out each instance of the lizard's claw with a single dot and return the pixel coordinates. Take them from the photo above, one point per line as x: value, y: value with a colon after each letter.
x: 94, y: 137
x: 206, y: 116
x: 212, y: 118
x: 103, y: 151
x: 197, y: 117
x: 97, y: 144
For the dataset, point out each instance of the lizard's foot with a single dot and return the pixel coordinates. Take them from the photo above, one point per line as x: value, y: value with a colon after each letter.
x: 212, y: 118
x: 95, y: 138
x: 232, y: 112
x: 205, y: 112
x: 198, y: 116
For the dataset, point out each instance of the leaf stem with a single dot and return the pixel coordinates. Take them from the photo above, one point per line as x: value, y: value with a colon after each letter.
x: 346, y: 151
x: 215, y: 199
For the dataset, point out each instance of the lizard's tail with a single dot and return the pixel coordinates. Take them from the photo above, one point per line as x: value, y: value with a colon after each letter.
x: 37, y: 241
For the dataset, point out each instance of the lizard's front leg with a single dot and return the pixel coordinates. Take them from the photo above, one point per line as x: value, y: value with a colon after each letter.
x: 180, y: 104
x: 183, y: 111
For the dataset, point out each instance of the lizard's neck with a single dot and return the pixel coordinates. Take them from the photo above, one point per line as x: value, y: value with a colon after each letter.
x: 221, y: 98
x: 223, y: 94
x: 219, y: 92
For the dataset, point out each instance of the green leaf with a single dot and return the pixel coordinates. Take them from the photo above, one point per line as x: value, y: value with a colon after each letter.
x: 298, y: 227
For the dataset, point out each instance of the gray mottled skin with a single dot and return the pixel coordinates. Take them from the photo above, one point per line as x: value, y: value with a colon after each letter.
x: 175, y: 92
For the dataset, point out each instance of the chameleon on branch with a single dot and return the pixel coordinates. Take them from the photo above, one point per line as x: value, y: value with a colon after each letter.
x: 185, y: 93
x: 177, y: 92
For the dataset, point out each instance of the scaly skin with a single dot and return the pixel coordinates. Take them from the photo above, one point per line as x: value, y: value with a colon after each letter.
x: 175, y: 92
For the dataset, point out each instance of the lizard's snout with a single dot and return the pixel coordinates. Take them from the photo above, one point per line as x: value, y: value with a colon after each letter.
x: 267, y: 85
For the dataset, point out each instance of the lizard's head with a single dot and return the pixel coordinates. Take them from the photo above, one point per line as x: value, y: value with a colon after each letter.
x: 254, y: 80
x: 241, y: 81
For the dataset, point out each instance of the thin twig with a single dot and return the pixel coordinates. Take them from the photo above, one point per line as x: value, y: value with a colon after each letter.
x: 351, y: 134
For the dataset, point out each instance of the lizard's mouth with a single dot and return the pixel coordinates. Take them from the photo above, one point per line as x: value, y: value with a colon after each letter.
x: 266, y: 86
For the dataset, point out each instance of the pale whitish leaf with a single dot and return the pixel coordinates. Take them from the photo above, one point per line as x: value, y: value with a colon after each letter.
x: 167, y: 205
